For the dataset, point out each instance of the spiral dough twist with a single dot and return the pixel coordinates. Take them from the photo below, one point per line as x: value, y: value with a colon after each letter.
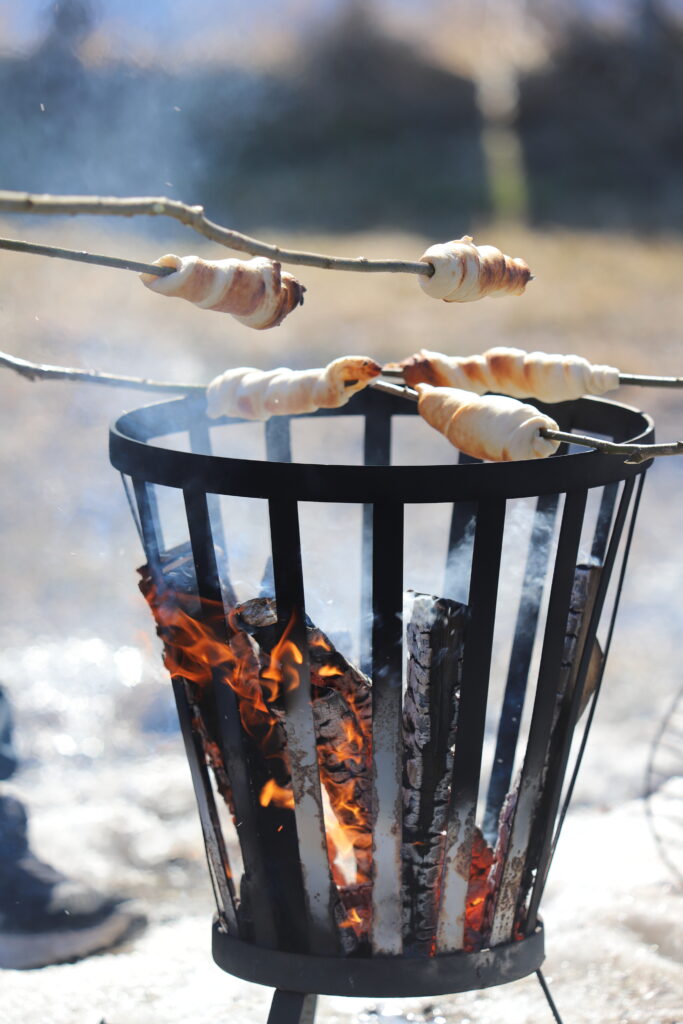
x: 511, y: 371
x: 259, y: 394
x: 256, y: 292
x: 465, y: 272
x: 493, y: 427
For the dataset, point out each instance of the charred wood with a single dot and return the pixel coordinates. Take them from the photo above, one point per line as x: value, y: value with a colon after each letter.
x: 342, y: 713
x: 584, y: 592
x: 505, y: 897
x: 435, y: 640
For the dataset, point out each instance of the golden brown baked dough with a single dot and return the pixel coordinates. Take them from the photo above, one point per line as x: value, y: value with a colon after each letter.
x: 256, y: 292
x: 259, y: 394
x: 489, y: 427
x: 511, y: 371
x: 465, y: 272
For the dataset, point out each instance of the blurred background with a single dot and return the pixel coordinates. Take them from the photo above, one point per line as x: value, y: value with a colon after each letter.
x: 553, y: 130
x: 297, y: 114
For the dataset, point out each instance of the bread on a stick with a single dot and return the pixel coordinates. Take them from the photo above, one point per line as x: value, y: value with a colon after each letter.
x: 490, y: 427
x: 511, y: 371
x: 259, y: 394
x: 465, y: 272
x: 256, y: 292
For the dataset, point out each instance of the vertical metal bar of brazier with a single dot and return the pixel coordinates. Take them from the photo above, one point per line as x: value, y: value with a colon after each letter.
x: 520, y: 660
x: 558, y: 752
x: 216, y: 853
x: 232, y: 739
x: 319, y: 889
x: 607, y: 503
x: 152, y: 537
x: 387, y: 726
x: 200, y: 442
x: 463, y: 513
x: 542, y: 717
x: 376, y: 452
x: 469, y: 737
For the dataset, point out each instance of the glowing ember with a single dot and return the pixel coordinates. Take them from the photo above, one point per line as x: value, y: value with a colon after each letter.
x: 477, y: 892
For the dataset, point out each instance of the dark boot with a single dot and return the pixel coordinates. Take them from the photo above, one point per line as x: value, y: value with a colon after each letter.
x: 46, y: 918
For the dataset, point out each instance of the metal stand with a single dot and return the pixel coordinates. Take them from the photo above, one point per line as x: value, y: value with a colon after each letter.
x: 546, y: 992
x: 292, y: 1008
x: 299, y: 1008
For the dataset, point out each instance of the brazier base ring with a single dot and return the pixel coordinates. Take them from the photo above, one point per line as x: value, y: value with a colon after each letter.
x: 398, y: 977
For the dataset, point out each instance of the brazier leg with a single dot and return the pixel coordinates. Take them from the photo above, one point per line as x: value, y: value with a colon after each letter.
x: 292, y: 1008
x: 546, y: 992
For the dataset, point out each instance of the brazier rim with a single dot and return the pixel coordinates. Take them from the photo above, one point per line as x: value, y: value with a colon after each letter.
x: 132, y: 453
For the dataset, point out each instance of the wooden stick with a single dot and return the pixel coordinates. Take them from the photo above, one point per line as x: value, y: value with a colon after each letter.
x: 193, y: 217
x: 40, y: 371
x: 79, y: 256
x: 636, y: 453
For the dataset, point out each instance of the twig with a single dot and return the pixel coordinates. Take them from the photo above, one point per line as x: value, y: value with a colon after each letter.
x: 40, y: 371
x: 642, y: 380
x: 79, y: 256
x: 636, y: 453
x: 193, y: 217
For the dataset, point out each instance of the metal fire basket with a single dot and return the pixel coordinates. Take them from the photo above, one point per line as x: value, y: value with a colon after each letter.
x: 516, y: 569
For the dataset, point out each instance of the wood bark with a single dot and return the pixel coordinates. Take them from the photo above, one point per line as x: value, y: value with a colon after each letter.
x: 582, y: 601
x: 435, y: 641
x: 342, y: 712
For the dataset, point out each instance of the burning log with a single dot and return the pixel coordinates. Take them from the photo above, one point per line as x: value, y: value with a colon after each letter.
x: 180, y: 586
x: 584, y: 592
x: 435, y: 639
x: 342, y: 712
x: 511, y: 877
x: 200, y: 648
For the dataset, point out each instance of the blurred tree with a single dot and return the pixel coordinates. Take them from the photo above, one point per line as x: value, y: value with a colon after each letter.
x: 359, y: 129
x: 602, y: 126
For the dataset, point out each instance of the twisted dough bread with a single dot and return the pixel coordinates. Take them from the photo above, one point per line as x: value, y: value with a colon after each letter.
x: 255, y: 292
x: 259, y: 394
x: 464, y: 272
x: 549, y: 378
x: 494, y: 427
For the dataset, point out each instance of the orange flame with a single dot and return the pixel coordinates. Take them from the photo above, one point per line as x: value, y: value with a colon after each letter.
x: 279, y: 796
x: 281, y: 674
x: 329, y: 671
x: 353, y: 920
x: 201, y: 649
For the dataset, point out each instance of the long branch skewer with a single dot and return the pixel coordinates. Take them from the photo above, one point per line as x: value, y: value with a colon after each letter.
x: 80, y: 256
x: 193, y: 217
x: 42, y: 371
x: 636, y: 453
